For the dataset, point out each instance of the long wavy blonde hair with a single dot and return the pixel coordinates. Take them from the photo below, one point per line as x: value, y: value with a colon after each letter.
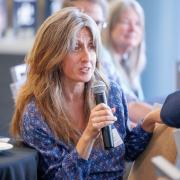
x: 53, y: 41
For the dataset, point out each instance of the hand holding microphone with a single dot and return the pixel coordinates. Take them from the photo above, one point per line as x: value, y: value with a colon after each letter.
x: 101, y: 116
x: 107, y: 119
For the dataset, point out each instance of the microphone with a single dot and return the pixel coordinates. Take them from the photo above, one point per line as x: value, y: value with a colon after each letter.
x: 100, y: 97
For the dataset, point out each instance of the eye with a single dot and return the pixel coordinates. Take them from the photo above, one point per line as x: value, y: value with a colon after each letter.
x: 77, y: 47
x: 138, y: 23
x: 92, y: 46
x: 124, y: 21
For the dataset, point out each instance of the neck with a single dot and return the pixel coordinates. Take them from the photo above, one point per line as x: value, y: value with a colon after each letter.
x: 120, y: 52
x: 73, y: 91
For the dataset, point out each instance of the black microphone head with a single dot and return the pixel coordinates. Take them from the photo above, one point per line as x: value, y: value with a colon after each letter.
x: 170, y: 112
x: 98, y: 87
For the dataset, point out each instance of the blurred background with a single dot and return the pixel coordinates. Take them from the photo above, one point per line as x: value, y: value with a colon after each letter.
x: 19, y: 20
x: 163, y: 47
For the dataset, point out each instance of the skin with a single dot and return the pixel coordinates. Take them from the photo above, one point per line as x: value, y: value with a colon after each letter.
x: 127, y: 32
x: 93, y: 10
x: 151, y: 119
x: 81, y: 64
x: 137, y: 111
x: 78, y: 68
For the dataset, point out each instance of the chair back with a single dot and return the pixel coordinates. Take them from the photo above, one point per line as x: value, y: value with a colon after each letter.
x: 18, y: 75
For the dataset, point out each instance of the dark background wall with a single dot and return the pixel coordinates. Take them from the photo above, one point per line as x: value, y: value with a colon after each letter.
x: 6, y: 101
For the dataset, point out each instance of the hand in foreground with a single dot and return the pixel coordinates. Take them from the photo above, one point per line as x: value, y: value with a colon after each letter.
x: 101, y: 116
x: 151, y: 119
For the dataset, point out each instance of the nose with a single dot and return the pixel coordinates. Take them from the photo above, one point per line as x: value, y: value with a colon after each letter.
x: 131, y: 26
x: 85, y: 57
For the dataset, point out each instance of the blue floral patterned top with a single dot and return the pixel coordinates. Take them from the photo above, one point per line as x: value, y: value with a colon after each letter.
x: 58, y: 160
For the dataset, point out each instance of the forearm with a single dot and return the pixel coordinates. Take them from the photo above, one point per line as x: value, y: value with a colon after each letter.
x: 138, y: 110
x: 151, y: 119
x: 135, y: 142
x: 101, y: 116
x: 84, y: 146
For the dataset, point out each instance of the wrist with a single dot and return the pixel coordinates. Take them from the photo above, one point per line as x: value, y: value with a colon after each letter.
x: 84, y: 146
x: 150, y: 120
x: 87, y: 137
x: 148, y: 126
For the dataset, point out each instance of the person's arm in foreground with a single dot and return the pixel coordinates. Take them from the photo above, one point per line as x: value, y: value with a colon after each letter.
x: 137, y: 139
x: 138, y: 110
x: 170, y: 112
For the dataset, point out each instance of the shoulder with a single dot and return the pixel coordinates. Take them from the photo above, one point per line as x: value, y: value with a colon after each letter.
x: 31, y: 106
x: 115, y: 94
x: 31, y: 110
x: 115, y: 88
x: 32, y: 117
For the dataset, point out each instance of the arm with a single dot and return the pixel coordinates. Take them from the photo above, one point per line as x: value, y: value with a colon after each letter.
x: 56, y: 159
x: 150, y: 120
x: 170, y: 112
x: 136, y: 140
x: 143, y: 132
x: 101, y: 116
x: 138, y: 110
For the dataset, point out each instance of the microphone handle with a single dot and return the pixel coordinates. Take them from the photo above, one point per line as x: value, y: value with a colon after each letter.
x: 106, y: 131
x: 107, y: 137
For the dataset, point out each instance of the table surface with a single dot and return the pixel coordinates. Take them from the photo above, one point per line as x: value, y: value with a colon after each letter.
x: 18, y: 163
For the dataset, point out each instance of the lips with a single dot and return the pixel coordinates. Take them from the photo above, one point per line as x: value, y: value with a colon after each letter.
x: 85, y: 69
x: 131, y: 35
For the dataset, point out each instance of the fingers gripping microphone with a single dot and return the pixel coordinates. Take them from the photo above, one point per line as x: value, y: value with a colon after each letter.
x: 100, y: 97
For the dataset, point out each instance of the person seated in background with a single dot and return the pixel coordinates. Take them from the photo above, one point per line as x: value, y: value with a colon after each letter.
x: 125, y: 41
x: 97, y: 9
x: 55, y: 110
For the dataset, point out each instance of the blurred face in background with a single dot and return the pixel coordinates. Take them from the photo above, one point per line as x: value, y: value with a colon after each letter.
x: 127, y: 32
x: 93, y: 10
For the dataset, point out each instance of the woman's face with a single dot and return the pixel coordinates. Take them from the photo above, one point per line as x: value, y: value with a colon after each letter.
x: 79, y: 64
x: 127, y: 32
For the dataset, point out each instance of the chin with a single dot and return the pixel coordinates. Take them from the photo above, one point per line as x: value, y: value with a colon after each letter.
x: 134, y: 43
x: 86, y: 79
